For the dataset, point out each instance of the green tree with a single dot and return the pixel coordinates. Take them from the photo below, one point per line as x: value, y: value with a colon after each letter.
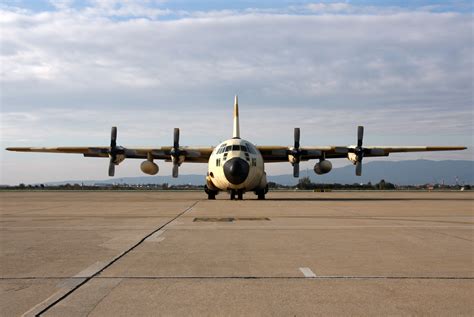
x: 305, y: 183
x: 381, y: 185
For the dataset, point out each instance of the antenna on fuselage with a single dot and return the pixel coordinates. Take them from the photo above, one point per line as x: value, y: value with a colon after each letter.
x: 236, y: 134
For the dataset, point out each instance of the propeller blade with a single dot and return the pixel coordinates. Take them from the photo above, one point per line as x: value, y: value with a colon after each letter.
x: 360, y: 135
x: 175, y: 170
x: 297, y: 138
x: 296, y: 170
x: 176, y: 138
x: 111, y: 168
x: 359, y: 168
x: 113, y: 137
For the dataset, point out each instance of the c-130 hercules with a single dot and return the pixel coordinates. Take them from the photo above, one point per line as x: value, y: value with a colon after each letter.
x: 236, y: 165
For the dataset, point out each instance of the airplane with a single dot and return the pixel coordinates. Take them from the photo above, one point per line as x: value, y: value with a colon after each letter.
x: 236, y: 165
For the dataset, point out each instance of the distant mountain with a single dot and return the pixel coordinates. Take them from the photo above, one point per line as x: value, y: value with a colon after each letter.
x: 397, y: 172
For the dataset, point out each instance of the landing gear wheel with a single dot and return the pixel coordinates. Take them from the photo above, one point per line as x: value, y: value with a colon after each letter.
x: 261, y: 193
x: 232, y: 194
x: 211, y: 196
x: 240, y: 195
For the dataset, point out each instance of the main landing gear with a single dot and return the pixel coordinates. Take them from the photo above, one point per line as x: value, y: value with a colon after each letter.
x: 211, y: 194
x: 261, y: 193
x: 236, y: 192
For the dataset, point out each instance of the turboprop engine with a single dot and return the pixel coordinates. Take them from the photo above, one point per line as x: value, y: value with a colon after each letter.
x: 149, y: 168
x: 323, y: 167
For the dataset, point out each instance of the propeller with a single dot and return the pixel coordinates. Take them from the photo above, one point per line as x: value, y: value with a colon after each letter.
x: 359, y: 150
x: 114, y: 151
x: 175, y: 152
x: 296, y: 153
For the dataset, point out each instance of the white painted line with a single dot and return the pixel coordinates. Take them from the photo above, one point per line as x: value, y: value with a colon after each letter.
x: 307, y: 272
x: 48, y: 301
x: 91, y: 270
x: 156, y: 237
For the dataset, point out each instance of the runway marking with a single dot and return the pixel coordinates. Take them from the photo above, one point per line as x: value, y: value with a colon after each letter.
x: 66, y: 286
x: 64, y: 293
x: 307, y: 272
x: 156, y: 236
x: 89, y: 271
x: 40, y: 307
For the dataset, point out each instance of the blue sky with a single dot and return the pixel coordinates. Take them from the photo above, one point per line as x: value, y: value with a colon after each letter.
x: 72, y: 69
x: 193, y: 5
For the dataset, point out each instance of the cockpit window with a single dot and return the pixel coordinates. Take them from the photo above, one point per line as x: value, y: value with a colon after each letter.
x: 235, y: 147
x: 243, y: 148
x: 228, y: 148
x: 251, y: 149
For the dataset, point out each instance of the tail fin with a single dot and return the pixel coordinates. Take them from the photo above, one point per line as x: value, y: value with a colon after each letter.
x: 236, y: 134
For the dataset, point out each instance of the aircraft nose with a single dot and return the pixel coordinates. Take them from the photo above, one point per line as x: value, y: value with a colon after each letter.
x: 236, y: 170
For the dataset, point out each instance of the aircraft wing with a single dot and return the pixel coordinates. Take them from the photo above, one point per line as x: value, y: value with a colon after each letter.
x: 282, y: 153
x: 191, y: 154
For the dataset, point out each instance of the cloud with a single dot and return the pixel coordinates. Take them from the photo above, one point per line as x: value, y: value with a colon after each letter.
x: 276, y: 58
x: 329, y: 7
x: 68, y: 74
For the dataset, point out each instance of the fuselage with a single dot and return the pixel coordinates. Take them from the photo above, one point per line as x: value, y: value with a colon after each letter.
x: 236, y: 164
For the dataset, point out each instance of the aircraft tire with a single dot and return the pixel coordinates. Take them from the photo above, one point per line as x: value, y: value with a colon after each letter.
x: 211, y: 196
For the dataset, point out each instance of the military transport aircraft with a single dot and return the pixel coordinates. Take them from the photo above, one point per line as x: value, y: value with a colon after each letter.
x: 236, y: 165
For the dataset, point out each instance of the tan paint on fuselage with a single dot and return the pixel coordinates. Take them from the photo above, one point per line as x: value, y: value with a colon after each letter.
x: 256, y: 178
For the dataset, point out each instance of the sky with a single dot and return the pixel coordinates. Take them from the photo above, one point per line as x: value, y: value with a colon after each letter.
x: 72, y: 69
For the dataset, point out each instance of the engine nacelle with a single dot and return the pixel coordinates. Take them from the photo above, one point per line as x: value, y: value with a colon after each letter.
x: 323, y: 167
x: 149, y: 168
x: 352, y: 157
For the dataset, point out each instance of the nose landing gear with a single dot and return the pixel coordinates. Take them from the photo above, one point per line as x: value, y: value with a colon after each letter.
x: 238, y: 192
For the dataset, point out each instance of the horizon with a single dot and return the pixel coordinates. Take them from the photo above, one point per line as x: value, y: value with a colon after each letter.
x: 453, y: 179
x: 72, y: 69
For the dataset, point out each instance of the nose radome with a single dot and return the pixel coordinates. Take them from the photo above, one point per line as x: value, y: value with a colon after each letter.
x: 236, y: 170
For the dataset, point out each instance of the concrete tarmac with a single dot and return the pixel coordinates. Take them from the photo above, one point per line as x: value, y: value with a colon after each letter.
x: 296, y: 253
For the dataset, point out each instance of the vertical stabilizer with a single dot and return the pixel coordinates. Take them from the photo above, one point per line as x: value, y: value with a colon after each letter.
x: 236, y: 133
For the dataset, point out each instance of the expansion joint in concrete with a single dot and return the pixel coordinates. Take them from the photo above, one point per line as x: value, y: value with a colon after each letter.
x: 108, y: 264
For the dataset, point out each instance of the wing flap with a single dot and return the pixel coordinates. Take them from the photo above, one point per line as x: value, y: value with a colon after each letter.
x: 273, y: 154
x: 192, y: 154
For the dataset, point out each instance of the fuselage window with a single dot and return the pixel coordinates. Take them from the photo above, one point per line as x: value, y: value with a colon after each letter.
x: 218, y: 162
x: 254, y: 162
